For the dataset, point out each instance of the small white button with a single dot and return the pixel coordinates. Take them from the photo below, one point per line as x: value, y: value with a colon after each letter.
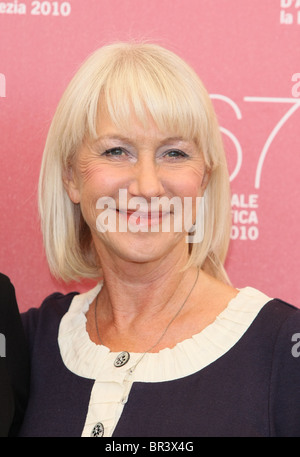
x: 122, y: 358
x: 98, y: 430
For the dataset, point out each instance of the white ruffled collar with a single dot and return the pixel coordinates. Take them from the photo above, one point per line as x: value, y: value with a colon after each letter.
x: 89, y: 360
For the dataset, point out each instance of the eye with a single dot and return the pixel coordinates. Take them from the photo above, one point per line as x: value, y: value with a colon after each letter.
x: 175, y: 154
x: 114, y: 152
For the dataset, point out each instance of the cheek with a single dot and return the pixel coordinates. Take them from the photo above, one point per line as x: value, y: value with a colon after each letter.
x: 99, y: 180
x: 188, y: 184
x: 92, y: 185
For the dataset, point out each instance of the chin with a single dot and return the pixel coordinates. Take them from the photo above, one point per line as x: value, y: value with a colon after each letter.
x: 147, y: 247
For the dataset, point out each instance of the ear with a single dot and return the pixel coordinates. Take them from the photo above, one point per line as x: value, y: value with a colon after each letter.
x: 205, y: 179
x: 71, y: 184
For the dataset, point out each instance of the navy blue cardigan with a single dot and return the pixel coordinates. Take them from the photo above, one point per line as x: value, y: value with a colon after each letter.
x: 252, y: 390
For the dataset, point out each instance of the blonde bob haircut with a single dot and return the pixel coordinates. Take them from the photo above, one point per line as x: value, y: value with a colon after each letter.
x: 152, y: 80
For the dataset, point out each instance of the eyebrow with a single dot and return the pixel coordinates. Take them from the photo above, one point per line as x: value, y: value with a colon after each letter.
x: 128, y: 140
x: 112, y: 137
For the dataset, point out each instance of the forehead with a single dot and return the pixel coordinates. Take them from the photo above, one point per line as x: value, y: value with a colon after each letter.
x: 133, y: 129
x: 147, y: 111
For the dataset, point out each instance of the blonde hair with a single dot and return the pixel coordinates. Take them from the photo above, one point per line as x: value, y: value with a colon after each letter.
x: 151, y: 79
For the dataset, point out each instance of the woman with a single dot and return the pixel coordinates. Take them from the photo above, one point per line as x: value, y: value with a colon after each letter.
x: 134, y: 192
x: 14, y: 362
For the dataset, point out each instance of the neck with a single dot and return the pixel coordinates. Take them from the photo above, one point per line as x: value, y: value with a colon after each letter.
x: 133, y: 283
x: 138, y: 291
x: 128, y: 318
x: 133, y: 289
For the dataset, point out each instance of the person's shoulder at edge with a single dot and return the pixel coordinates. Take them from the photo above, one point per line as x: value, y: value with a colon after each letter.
x: 284, y: 318
x: 15, y: 364
x: 6, y: 287
x: 282, y: 313
x: 289, y: 315
x: 282, y: 308
x: 9, y: 310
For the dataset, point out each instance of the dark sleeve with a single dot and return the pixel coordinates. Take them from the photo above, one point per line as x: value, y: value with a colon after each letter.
x: 46, y: 316
x: 14, y: 360
x: 285, y: 379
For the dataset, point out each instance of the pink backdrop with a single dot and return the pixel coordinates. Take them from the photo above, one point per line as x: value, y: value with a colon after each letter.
x: 247, y: 54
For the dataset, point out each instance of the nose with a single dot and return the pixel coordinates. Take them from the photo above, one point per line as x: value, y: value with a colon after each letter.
x: 146, y: 181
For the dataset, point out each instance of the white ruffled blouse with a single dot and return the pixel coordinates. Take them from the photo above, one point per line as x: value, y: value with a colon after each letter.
x: 112, y: 384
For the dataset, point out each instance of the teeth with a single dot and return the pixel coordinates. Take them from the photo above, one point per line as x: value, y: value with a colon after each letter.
x: 142, y: 213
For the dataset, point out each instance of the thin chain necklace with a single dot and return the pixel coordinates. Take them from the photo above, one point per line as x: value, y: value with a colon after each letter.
x: 124, y: 356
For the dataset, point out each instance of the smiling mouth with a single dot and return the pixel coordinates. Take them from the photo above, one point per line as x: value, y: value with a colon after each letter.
x: 143, y: 218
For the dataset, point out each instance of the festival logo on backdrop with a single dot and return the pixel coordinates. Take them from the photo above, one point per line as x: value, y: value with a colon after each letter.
x: 2, y: 85
x: 36, y: 8
x: 289, y: 12
x: 245, y: 221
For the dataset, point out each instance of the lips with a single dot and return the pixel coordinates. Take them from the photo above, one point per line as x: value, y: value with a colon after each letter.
x: 142, y: 218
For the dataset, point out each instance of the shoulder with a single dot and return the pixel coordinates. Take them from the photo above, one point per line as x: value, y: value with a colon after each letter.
x: 5, y: 284
x: 271, y: 322
x: 48, y: 316
x: 287, y: 319
x: 275, y: 320
x: 275, y: 336
x: 7, y: 293
x: 9, y: 311
x: 55, y: 304
x: 282, y: 314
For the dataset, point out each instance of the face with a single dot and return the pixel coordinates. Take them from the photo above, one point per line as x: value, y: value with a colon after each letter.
x: 119, y: 181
